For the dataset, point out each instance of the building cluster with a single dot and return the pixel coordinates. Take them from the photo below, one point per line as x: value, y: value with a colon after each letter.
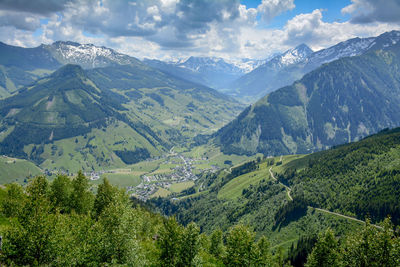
x: 182, y: 172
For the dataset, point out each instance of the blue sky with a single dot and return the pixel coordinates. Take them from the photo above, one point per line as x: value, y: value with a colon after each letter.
x: 332, y: 10
x: 171, y: 29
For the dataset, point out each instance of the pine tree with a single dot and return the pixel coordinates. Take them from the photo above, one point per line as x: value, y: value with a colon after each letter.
x: 239, y: 246
x: 106, y: 193
x: 60, y: 193
x: 325, y: 252
x: 81, y: 197
x: 189, y: 245
x: 216, y: 246
x: 169, y: 242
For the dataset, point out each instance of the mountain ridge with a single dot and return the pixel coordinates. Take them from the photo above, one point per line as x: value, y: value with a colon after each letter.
x: 268, y: 77
x: 339, y: 102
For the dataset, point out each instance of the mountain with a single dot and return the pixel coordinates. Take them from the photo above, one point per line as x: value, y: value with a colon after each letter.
x: 107, y: 117
x: 284, y: 69
x: 210, y: 71
x: 339, y: 102
x: 22, y: 66
x: 172, y: 69
x: 161, y: 100
x: 87, y: 55
x: 266, y: 77
x: 64, y: 106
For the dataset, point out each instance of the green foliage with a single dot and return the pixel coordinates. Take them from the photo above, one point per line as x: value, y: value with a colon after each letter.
x: 361, y: 178
x: 370, y: 247
x: 44, y: 230
x: 190, y: 245
x: 169, y: 243
x: 325, y: 252
x: 239, y: 247
x: 106, y: 194
x: 81, y: 198
x: 132, y: 157
x: 60, y: 195
x: 216, y: 244
x: 41, y: 235
x: 14, y: 200
x: 297, y: 255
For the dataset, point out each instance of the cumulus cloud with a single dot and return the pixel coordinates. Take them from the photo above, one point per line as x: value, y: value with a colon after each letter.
x: 311, y: 29
x: 43, y: 7
x: 366, y: 11
x: 177, y: 28
x: 272, y: 8
x: 19, y: 20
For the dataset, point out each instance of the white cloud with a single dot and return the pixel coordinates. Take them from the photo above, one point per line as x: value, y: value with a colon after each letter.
x: 172, y: 28
x: 272, y: 8
x: 20, y: 20
x: 366, y: 11
x: 312, y: 30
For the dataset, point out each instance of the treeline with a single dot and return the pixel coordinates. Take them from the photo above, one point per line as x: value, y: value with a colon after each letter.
x: 63, y: 223
x: 370, y: 247
x: 361, y: 178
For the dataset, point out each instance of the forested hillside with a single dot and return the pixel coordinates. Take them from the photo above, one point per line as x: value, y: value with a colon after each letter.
x: 339, y: 102
x: 64, y: 223
x: 290, y: 197
x: 361, y: 178
x: 107, y: 117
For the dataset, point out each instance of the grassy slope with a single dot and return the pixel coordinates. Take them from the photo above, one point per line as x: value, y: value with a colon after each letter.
x: 95, y: 151
x: 179, y: 187
x: 222, y: 207
x: 16, y: 170
x: 234, y: 188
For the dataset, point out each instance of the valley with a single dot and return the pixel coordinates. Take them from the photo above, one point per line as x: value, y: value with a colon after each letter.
x: 135, y: 158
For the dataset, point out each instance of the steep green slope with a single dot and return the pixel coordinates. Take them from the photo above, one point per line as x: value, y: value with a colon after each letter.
x: 304, y: 195
x: 360, y: 179
x: 22, y: 66
x: 173, y: 107
x: 339, y: 102
x: 16, y: 170
x: 107, y: 117
x: 67, y: 105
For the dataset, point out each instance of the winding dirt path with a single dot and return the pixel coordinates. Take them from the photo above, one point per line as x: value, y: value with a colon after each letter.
x: 289, y: 190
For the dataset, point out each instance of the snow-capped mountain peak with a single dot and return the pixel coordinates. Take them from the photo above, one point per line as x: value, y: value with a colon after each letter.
x: 294, y: 55
x: 204, y: 64
x: 87, y: 55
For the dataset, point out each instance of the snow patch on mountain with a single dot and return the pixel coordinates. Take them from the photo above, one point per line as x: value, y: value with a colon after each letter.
x: 87, y: 55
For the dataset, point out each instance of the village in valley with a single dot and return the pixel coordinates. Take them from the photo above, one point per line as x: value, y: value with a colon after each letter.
x: 158, y: 176
x: 183, y: 171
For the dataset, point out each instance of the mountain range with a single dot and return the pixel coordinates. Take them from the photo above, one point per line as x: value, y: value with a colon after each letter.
x: 22, y: 66
x: 211, y: 71
x: 117, y: 113
x: 351, y: 92
x: 284, y: 69
x: 339, y: 102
